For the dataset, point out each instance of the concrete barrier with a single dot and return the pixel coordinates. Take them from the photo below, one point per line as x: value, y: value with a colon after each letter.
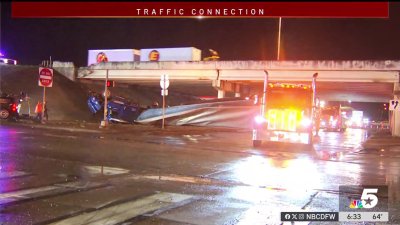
x: 67, y: 69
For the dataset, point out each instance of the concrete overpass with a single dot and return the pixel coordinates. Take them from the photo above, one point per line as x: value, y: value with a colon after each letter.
x: 368, y: 81
x: 365, y: 81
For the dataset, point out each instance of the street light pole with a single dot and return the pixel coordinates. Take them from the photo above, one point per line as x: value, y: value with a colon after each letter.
x: 279, y: 37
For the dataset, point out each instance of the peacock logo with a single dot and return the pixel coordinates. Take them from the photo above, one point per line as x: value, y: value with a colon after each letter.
x: 356, y: 204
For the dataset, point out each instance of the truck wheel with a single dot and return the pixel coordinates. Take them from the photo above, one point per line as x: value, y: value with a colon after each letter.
x: 4, y: 114
x: 256, y: 143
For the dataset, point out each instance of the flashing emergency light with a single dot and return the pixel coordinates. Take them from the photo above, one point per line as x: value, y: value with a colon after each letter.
x: 306, y: 122
x: 259, y: 119
x: 277, y: 85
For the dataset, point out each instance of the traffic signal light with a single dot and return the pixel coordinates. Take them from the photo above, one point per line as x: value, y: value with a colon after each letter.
x: 110, y: 83
x: 385, y: 106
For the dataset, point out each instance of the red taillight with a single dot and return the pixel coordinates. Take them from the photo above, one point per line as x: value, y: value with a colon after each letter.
x: 14, y: 107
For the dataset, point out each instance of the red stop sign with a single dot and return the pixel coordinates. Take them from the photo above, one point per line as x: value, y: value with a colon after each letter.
x: 45, y: 77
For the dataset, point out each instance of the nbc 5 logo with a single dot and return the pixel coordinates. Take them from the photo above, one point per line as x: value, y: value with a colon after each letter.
x: 368, y: 199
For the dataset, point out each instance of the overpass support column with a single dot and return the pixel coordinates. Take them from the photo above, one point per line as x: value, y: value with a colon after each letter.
x: 220, y: 86
x: 395, y: 115
x: 223, y: 86
x: 237, y: 90
x: 221, y: 94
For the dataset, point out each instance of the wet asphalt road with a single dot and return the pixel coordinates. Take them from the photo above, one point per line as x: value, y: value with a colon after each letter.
x: 183, y: 175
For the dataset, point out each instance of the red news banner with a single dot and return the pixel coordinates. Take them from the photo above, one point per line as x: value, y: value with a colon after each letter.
x: 199, y: 9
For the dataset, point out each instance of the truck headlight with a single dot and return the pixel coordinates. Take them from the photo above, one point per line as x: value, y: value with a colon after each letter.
x: 259, y: 119
x: 305, y: 122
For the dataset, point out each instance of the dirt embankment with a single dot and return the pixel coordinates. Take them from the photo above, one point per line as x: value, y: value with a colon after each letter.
x: 67, y: 100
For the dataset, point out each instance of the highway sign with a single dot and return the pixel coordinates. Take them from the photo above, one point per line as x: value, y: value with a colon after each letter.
x: 45, y: 77
x: 164, y: 81
x: 394, y: 104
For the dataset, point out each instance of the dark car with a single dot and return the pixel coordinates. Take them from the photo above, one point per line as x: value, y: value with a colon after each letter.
x: 123, y: 112
x: 8, y: 108
x: 118, y: 109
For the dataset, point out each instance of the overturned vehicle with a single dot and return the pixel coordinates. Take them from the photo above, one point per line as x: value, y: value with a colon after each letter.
x: 230, y: 112
x: 118, y: 109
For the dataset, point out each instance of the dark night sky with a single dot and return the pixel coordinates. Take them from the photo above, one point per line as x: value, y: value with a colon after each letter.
x: 32, y: 40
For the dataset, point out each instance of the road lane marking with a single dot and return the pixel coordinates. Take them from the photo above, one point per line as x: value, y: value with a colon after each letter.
x: 12, y: 174
x: 80, y: 184
x: 32, y: 193
x: 15, y: 196
x: 58, y: 188
x: 24, y: 193
x: 104, y: 170
x: 125, y: 211
x: 184, y: 179
x: 60, y: 136
x: 199, y: 181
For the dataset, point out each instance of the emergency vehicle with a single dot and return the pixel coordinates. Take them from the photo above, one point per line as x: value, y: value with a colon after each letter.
x: 7, y: 61
x: 332, y: 119
x: 287, y: 113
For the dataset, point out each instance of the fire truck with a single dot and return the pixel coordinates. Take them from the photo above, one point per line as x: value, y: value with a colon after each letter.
x: 332, y: 119
x: 287, y: 113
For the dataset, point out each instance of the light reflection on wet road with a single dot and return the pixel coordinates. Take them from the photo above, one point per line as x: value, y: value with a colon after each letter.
x: 220, y: 170
x: 336, y: 145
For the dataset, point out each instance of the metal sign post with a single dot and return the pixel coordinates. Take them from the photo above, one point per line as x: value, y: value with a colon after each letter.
x: 163, y: 110
x: 45, y: 80
x: 44, y: 103
x: 164, y: 83
x: 104, y: 122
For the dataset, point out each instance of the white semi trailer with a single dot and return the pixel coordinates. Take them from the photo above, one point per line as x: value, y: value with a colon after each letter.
x: 113, y: 55
x: 170, y: 54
